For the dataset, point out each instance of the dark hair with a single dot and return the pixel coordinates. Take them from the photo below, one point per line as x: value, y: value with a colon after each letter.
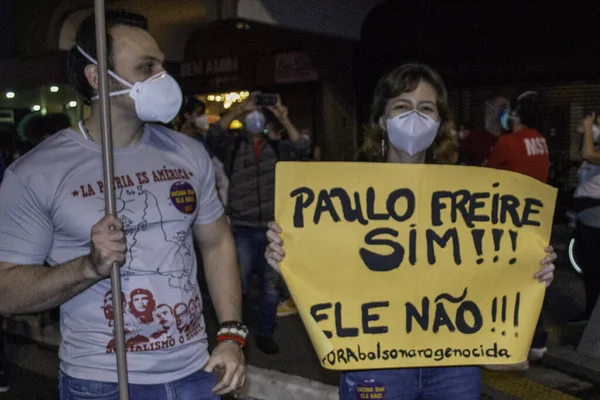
x: 527, y: 106
x: 191, y: 104
x: 404, y: 79
x: 86, y: 39
x: 35, y: 126
x: 31, y: 128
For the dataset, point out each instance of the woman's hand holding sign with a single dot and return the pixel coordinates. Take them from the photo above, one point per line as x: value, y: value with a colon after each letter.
x: 275, y: 254
x: 546, y: 274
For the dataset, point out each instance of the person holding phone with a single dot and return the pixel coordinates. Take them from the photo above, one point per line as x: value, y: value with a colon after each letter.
x: 249, y: 158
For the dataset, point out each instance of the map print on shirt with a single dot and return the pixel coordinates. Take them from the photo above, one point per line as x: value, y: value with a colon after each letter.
x: 179, y: 272
x: 152, y: 323
x: 137, y: 207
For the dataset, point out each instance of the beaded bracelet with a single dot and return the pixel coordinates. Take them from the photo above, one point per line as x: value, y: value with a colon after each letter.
x: 232, y: 331
x: 231, y: 338
x: 233, y: 328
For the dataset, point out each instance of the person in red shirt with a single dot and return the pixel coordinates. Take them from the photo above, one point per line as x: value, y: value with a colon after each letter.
x: 524, y: 150
x: 476, y: 146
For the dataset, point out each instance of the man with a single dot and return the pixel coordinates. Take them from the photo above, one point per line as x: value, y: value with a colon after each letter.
x: 249, y: 160
x: 109, y: 311
x: 181, y: 318
x: 525, y: 151
x: 142, y: 305
x: 476, y: 145
x: 52, y: 210
x: 164, y: 315
x: 193, y: 311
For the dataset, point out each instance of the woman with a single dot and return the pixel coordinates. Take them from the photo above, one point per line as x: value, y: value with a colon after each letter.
x: 412, y: 125
x: 586, y: 204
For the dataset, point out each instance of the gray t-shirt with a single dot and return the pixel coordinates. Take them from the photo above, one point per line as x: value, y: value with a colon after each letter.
x: 164, y: 184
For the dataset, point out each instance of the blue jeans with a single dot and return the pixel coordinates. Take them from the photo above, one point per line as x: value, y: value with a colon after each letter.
x: 197, y: 386
x: 449, y: 383
x: 251, y: 244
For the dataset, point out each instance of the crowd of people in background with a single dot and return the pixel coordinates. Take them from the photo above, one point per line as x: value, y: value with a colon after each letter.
x: 244, y: 163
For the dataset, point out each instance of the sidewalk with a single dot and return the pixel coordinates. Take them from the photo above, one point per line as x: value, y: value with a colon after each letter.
x: 295, y: 372
x: 34, y: 375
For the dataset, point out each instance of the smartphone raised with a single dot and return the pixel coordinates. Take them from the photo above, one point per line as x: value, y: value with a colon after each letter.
x: 266, y: 99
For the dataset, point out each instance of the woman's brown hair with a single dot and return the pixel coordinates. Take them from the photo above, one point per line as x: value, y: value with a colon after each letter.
x: 404, y: 79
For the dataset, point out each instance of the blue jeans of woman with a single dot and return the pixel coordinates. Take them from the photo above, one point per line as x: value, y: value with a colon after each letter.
x: 444, y: 383
x: 197, y: 386
x: 251, y: 244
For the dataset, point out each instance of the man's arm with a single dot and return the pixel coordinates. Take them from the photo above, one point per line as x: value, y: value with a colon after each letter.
x: 297, y: 148
x: 214, y: 238
x: 26, y: 237
x: 28, y: 289
x: 281, y: 113
x: 223, y: 277
x: 221, y: 268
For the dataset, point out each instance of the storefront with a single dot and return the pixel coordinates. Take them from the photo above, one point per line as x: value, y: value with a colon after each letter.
x: 227, y: 60
x: 223, y: 81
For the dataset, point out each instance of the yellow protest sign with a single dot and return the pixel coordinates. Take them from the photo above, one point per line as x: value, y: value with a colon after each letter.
x: 396, y: 265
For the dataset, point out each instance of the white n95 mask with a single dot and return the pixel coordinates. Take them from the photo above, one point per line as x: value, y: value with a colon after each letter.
x: 201, y: 122
x: 158, y: 98
x: 412, y: 132
x: 255, y: 122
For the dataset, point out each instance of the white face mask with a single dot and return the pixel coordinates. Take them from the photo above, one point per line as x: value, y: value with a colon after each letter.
x: 158, y: 98
x: 255, y: 122
x: 412, y: 132
x: 201, y: 122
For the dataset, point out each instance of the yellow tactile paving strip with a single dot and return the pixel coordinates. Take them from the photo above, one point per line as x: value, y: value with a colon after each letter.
x: 520, y: 387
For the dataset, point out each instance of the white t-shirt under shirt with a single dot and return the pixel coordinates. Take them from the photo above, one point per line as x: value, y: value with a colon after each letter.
x: 51, y: 198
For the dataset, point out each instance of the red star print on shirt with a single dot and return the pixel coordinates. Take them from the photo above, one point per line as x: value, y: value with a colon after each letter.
x: 75, y: 193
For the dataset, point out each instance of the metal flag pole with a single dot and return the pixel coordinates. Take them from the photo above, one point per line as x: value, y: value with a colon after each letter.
x: 109, y: 191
